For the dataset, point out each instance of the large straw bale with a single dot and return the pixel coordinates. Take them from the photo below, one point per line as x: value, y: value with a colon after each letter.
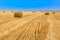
x: 18, y: 14
x: 46, y: 13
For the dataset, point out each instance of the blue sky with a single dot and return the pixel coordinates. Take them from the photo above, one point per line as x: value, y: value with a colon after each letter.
x: 29, y: 4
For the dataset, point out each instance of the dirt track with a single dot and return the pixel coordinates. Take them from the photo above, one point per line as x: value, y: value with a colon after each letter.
x: 32, y: 26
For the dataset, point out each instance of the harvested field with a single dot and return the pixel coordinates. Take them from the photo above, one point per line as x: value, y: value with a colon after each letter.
x: 29, y: 25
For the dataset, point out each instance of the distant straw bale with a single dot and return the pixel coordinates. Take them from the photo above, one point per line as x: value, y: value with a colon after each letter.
x: 53, y: 12
x: 46, y: 13
x: 33, y: 11
x: 18, y: 14
x: 12, y: 11
x: 3, y: 11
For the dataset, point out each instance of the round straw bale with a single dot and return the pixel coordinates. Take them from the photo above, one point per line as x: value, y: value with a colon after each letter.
x: 46, y: 13
x: 18, y: 14
x: 12, y: 11
x: 53, y: 12
x: 33, y: 11
x: 4, y: 11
